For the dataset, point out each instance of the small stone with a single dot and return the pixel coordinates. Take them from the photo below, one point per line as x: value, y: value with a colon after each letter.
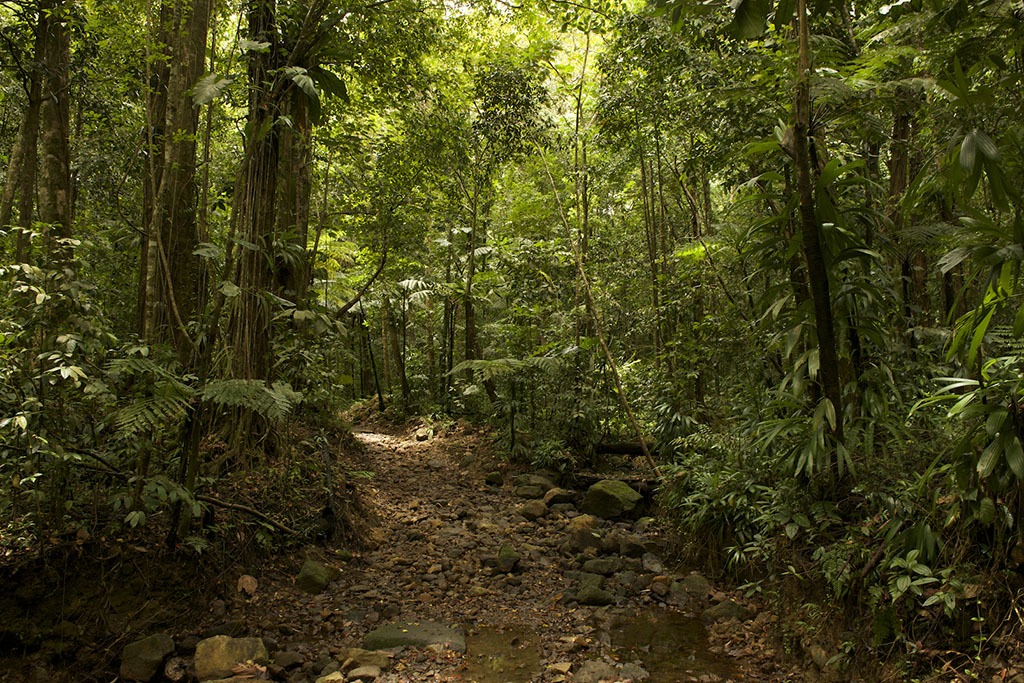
x: 605, y: 565
x: 331, y: 677
x: 288, y: 659
x: 507, y: 559
x: 696, y: 585
x: 533, y: 510
x: 494, y: 479
x: 557, y: 496
x: 653, y: 564
x: 422, y: 434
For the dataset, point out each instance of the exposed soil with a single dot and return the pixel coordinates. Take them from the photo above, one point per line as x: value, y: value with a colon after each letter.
x: 431, y: 528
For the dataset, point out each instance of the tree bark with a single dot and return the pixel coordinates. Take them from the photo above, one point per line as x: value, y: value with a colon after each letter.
x: 814, y: 255
x: 54, y: 117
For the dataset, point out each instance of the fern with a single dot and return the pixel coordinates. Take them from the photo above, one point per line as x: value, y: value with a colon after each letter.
x: 273, y: 402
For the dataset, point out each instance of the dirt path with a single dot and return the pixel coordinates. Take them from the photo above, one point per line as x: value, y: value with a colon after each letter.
x: 438, y: 529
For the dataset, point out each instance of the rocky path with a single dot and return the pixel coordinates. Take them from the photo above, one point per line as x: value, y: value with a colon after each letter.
x: 504, y: 578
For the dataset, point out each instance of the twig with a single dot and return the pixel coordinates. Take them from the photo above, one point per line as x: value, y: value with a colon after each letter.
x: 249, y: 511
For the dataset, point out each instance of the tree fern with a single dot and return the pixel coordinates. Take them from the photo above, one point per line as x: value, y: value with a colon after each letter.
x: 273, y: 402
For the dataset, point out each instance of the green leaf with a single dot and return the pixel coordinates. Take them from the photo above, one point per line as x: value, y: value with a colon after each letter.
x: 902, y: 583
x: 784, y: 12
x: 986, y: 511
x: 246, y: 45
x: 989, y: 458
x: 979, y: 336
x: 750, y: 18
x: 330, y: 83
x: 209, y: 87
x: 1015, y: 456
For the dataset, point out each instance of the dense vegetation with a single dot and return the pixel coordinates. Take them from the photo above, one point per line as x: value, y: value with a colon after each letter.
x: 776, y: 247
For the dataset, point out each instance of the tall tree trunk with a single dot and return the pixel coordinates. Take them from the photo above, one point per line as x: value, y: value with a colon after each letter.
x: 293, y: 270
x: 21, y: 170
x: 814, y: 255
x: 171, y: 235
x: 54, y: 149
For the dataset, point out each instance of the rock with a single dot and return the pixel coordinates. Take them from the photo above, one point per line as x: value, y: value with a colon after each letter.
x: 593, y: 595
x: 605, y: 565
x: 331, y: 677
x: 415, y: 634
x: 595, y: 671
x: 176, y: 669
x: 314, y: 576
x: 727, y: 609
x: 696, y: 585
x: 610, y: 498
x: 557, y: 496
x: 216, y: 657
x: 187, y: 645
x: 141, y: 659
x: 358, y: 657
x: 422, y: 434
x: 633, y: 672
x: 583, y: 523
x: 288, y: 659
x: 507, y: 559
x: 537, y: 480
x: 529, y: 491
x: 653, y: 564
x: 364, y: 673
x: 582, y: 539
x: 625, y: 544
x: 533, y: 510
x: 494, y: 479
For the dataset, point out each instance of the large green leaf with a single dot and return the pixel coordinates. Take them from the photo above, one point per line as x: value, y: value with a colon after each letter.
x: 750, y: 18
x: 209, y: 88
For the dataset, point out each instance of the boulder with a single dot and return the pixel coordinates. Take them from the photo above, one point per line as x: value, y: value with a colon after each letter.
x: 696, y: 585
x: 537, y: 480
x: 141, y: 659
x: 314, y: 576
x: 603, y: 565
x: 727, y: 609
x: 415, y: 634
x: 610, y: 498
x: 288, y: 659
x: 494, y: 479
x: 529, y: 491
x: 364, y: 673
x: 216, y: 657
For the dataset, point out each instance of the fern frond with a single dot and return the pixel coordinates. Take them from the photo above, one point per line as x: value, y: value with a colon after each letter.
x: 273, y: 402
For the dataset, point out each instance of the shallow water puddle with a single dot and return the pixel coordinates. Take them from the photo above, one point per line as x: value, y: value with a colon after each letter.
x: 501, y: 655
x: 672, y: 647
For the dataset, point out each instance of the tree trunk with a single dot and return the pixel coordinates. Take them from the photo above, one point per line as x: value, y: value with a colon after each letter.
x: 54, y: 151
x: 170, y: 267
x: 293, y: 268
x: 21, y: 171
x: 817, y: 269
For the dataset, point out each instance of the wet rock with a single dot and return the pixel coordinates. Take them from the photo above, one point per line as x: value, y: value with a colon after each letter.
x: 141, y: 659
x: 314, y: 576
x: 415, y: 634
x: 595, y: 671
x: 507, y: 559
x: 533, y: 510
x: 727, y: 609
x: 557, y: 496
x: 494, y: 479
x: 633, y: 672
x: 216, y: 657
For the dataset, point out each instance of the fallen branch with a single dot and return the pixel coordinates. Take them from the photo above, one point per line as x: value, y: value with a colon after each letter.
x: 249, y: 511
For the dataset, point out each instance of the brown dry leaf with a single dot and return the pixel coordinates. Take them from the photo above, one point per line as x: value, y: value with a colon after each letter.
x: 251, y: 670
x: 247, y: 584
